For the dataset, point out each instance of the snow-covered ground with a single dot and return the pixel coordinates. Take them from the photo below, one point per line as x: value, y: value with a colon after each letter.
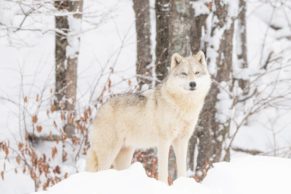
x: 246, y: 175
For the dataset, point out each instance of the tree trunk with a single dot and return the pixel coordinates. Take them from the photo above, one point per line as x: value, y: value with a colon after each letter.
x: 180, y: 28
x: 211, y: 132
x: 196, y: 43
x: 179, y: 36
x: 173, y: 32
x: 241, y: 32
x: 197, y: 25
x: 163, y: 8
x: 66, y: 57
x: 143, y: 39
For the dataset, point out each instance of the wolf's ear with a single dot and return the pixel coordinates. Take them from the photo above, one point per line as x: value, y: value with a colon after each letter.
x: 175, y: 60
x: 200, y: 57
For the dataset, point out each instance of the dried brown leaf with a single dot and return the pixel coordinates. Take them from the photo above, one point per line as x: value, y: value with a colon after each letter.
x: 53, y: 108
x: 2, y: 175
x: 54, y: 152
x: 38, y: 128
x: 25, y: 99
x: 57, y: 170
x: 37, y: 98
x: 34, y: 118
x: 20, y: 146
x: 18, y: 159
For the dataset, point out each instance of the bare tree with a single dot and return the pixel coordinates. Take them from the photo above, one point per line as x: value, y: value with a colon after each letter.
x: 211, y: 132
x: 179, y: 27
x: 68, y: 25
x: 143, y: 37
x: 163, y: 8
x: 241, y: 38
x: 197, y: 31
x: 198, y: 21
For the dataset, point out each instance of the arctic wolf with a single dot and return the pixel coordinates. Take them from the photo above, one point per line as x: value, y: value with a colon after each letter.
x: 161, y: 117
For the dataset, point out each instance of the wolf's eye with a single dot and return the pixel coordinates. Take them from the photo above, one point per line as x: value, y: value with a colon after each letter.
x: 197, y: 72
x: 184, y: 74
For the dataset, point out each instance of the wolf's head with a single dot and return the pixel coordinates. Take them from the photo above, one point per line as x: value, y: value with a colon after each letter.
x: 189, y: 75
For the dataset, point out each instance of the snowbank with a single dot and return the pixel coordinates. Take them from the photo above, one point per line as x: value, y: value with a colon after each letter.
x: 250, y: 175
x: 130, y: 181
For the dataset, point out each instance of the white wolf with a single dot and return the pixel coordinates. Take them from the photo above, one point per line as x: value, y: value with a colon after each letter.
x: 161, y: 117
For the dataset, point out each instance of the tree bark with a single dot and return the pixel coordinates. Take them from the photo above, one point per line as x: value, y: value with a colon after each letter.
x: 143, y: 39
x: 211, y: 133
x: 196, y: 43
x: 242, y: 42
x: 68, y: 25
x: 173, y: 32
x: 197, y: 26
x: 163, y: 8
x: 179, y: 27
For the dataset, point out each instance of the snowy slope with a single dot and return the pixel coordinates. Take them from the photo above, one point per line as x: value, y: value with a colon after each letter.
x: 248, y: 175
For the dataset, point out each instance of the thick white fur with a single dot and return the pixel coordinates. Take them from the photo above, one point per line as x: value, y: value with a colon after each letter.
x: 162, y: 117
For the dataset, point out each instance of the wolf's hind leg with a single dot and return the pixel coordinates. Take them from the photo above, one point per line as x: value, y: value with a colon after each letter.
x: 123, y: 159
x: 107, y: 154
x: 91, y: 161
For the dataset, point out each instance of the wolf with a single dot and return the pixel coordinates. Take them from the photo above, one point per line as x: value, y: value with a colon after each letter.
x: 162, y: 117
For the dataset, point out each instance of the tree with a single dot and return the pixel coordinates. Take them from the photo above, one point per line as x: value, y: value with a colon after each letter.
x: 144, y: 66
x: 211, y: 131
x: 144, y: 69
x: 173, y: 32
x: 68, y: 26
x: 241, y: 38
x: 179, y: 27
x: 197, y: 31
x: 163, y: 8
x: 198, y: 21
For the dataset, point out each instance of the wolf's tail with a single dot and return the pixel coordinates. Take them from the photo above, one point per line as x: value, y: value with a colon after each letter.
x: 91, y: 161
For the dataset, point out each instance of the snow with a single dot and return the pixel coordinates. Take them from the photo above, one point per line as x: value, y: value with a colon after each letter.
x: 251, y: 175
x: 224, y: 104
x: 22, y: 182
x: 73, y: 39
x: 200, y: 7
x: 245, y: 175
x: 130, y: 181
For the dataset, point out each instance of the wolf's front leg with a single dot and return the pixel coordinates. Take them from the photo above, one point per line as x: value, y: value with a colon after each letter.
x: 163, y: 156
x: 180, y: 148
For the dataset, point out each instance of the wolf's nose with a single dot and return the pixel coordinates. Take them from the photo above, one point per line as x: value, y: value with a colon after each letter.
x: 192, y: 84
